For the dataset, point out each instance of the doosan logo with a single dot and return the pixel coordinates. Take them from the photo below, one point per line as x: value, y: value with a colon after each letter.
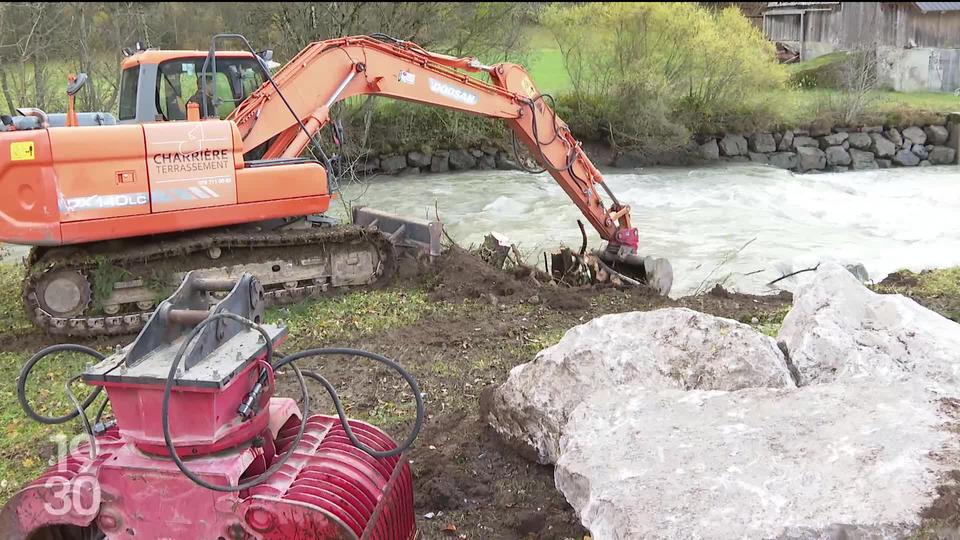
x: 452, y: 92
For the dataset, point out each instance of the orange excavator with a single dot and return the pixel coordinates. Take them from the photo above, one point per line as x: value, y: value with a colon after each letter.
x: 204, y: 171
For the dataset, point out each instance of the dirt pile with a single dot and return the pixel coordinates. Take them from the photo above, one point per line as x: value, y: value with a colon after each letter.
x: 460, y: 275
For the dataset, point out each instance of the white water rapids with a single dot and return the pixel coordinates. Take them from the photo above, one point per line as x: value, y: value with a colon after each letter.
x: 699, y: 218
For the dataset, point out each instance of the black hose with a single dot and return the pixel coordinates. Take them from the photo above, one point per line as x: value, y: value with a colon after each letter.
x: 83, y: 416
x: 165, y: 409
x: 25, y: 374
x: 418, y: 423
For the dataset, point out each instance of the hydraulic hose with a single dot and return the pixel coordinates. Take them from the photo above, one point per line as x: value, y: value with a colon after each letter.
x: 165, y: 408
x: 418, y: 422
x: 25, y: 375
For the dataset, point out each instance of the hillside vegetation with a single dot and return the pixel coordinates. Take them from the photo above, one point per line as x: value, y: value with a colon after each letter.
x: 639, y: 76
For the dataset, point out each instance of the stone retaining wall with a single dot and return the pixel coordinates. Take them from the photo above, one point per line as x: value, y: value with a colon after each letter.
x: 836, y: 149
x: 839, y: 149
x: 438, y: 161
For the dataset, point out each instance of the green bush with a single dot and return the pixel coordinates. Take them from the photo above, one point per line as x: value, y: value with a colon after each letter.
x: 659, y: 71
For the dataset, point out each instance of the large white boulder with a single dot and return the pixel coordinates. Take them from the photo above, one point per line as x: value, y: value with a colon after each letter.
x: 859, y: 459
x: 668, y: 348
x: 838, y: 329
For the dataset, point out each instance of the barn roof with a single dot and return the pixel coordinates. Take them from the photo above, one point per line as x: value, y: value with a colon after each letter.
x: 799, y: 4
x: 925, y: 7
x: 938, y: 6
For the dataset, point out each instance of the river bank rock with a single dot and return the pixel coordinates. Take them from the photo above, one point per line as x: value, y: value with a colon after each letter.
x: 857, y: 460
x: 440, y: 162
x: 880, y: 146
x: 733, y: 145
x: 836, y: 155
x: 784, y: 160
x: 810, y: 158
x: 915, y: 135
x: 860, y: 141
x: 936, y: 134
x: 461, y: 160
x: 762, y: 143
x: 487, y: 162
x: 710, y: 150
x: 906, y: 158
x: 786, y: 142
x: 419, y: 159
x: 894, y: 135
x: 804, y: 141
x: 668, y: 348
x: 835, y: 139
x: 839, y: 330
x: 393, y: 164
x: 941, y: 155
x: 861, y: 159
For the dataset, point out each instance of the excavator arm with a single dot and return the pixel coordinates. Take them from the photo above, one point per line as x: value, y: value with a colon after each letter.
x: 329, y: 71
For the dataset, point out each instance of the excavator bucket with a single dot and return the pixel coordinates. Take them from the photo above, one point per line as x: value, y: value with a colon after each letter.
x: 655, y: 273
x: 420, y: 235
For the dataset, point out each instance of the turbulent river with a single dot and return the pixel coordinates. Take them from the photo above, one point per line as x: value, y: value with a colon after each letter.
x: 701, y: 219
x: 741, y: 225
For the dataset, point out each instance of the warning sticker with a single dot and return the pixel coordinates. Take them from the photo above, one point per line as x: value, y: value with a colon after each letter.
x: 22, y: 151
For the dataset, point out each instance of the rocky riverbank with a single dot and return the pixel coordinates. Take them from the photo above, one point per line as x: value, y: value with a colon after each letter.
x: 835, y: 149
x: 840, y: 148
x: 487, y: 157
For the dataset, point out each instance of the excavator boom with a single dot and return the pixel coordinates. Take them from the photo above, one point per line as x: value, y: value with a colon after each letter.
x: 329, y: 71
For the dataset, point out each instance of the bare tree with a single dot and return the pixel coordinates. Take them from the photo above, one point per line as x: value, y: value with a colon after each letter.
x: 25, y: 73
x: 859, y: 78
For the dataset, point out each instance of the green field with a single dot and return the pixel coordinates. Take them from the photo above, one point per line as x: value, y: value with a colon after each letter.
x: 546, y: 65
x: 797, y: 107
x: 793, y: 106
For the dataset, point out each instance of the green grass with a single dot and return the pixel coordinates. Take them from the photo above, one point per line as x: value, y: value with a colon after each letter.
x: 546, y: 66
x: 352, y: 315
x: 769, y: 323
x: 800, y: 107
x: 944, y: 282
x: 13, y: 318
x: 817, y: 62
x: 27, y: 448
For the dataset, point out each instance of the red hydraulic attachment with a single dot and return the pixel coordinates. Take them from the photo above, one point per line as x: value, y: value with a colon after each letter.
x: 228, y: 430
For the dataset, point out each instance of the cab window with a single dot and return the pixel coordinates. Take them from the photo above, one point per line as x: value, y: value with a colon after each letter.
x: 179, y: 82
x: 129, y: 81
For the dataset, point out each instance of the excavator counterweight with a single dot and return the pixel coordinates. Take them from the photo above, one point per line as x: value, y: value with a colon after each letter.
x: 205, y: 171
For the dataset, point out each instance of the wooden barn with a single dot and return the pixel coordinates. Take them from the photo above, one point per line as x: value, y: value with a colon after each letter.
x: 911, y: 36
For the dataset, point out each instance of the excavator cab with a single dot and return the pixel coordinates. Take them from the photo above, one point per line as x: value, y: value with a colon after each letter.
x: 158, y: 85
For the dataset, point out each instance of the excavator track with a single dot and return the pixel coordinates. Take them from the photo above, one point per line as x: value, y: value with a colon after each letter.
x: 131, y: 275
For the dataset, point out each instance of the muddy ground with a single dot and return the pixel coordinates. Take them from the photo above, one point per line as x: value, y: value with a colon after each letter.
x: 465, y: 479
x: 459, y: 326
